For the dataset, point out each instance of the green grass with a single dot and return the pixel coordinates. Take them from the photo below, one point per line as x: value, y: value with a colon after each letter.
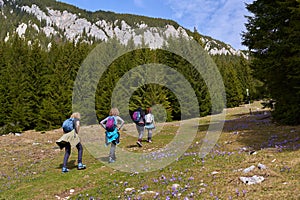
x: 32, y: 165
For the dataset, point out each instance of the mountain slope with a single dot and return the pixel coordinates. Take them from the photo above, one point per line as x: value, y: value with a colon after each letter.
x: 51, y: 21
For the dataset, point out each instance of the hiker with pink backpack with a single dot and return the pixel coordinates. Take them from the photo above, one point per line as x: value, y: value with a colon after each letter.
x: 138, y: 117
x: 143, y: 122
x: 112, y: 135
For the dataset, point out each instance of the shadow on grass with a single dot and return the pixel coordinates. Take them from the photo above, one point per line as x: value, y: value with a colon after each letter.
x: 257, y: 131
x: 132, y: 146
x: 70, y: 165
x: 103, y: 159
x: 135, y: 145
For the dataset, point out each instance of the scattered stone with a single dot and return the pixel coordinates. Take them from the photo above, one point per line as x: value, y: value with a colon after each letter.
x: 214, y: 173
x: 57, y: 197
x: 203, y: 184
x: 244, y: 149
x: 249, y: 169
x: 261, y: 166
x: 175, y: 186
x: 252, y: 152
x: 129, y: 189
x: 237, y: 170
x: 252, y: 180
x: 148, y: 192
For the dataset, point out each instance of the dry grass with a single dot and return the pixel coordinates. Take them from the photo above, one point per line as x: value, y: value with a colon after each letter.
x: 32, y: 164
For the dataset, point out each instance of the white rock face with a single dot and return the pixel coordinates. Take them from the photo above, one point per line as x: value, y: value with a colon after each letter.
x: 73, y: 27
x: 49, y: 31
x: 36, y: 11
x: 7, y: 37
x: 21, y: 29
x: 36, y: 27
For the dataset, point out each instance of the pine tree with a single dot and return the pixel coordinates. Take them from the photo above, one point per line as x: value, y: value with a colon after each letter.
x: 273, y: 35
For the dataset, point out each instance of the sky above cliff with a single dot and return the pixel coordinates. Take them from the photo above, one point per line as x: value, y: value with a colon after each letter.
x: 223, y: 20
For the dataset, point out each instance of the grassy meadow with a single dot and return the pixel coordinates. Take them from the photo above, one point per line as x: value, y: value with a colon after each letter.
x: 31, y: 164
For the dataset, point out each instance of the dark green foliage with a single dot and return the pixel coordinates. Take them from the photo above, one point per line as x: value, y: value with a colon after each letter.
x: 36, y: 86
x: 273, y: 37
x: 18, y: 83
x: 147, y: 94
x: 38, y: 82
x: 237, y: 79
x: 152, y: 94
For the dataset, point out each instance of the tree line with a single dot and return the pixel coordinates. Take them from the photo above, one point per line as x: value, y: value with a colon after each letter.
x: 272, y: 36
x: 37, y: 84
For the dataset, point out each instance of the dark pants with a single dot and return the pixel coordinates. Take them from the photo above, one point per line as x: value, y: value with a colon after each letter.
x: 68, y: 153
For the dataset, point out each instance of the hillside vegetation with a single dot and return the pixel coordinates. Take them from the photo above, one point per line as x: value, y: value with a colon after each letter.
x: 32, y: 164
x: 43, y: 45
x: 37, y: 86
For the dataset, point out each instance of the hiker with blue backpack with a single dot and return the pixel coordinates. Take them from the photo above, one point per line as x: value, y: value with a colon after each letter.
x: 70, y: 139
x: 138, y: 117
x: 112, y: 135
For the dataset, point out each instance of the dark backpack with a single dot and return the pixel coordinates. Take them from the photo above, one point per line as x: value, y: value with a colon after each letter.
x: 110, y: 124
x: 137, y: 117
x: 68, y: 125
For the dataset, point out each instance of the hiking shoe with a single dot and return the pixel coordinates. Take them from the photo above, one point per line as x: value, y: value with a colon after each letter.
x: 139, y: 143
x: 149, y: 141
x: 64, y: 170
x: 81, y: 166
x: 110, y: 160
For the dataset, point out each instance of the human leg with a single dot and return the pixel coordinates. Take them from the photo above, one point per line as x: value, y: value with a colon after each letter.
x: 140, y: 130
x: 80, y: 152
x: 149, y: 135
x: 112, y: 152
x: 66, y: 157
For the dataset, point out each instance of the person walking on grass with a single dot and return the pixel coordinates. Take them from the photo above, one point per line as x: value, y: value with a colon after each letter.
x: 112, y: 135
x: 71, y: 139
x: 149, y: 123
x: 138, y: 118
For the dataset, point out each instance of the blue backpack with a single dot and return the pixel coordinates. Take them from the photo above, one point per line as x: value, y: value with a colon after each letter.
x: 136, y: 116
x: 110, y: 124
x: 68, y: 125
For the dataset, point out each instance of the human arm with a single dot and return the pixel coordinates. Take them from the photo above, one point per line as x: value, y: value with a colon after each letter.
x: 119, y: 119
x: 77, y: 125
x: 153, y: 121
x: 102, y: 123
